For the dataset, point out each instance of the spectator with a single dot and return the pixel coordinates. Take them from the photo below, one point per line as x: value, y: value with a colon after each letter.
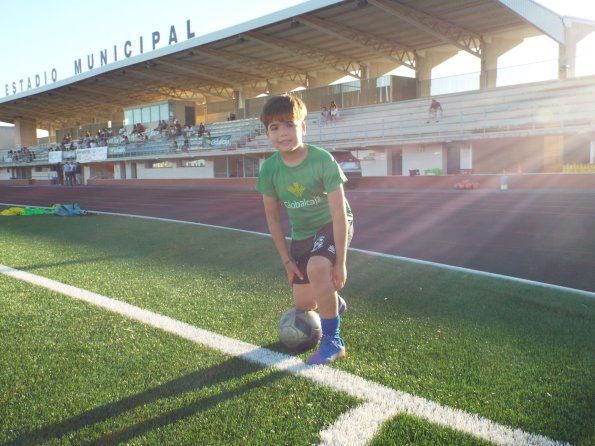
x: 68, y: 173
x: 162, y: 126
x: 60, y: 173
x: 174, y: 146
x: 186, y: 145
x: 201, y: 129
x: 333, y: 112
x: 435, y: 111
x: 324, y: 116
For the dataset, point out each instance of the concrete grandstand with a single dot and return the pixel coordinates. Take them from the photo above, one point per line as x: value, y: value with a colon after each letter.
x: 530, y: 129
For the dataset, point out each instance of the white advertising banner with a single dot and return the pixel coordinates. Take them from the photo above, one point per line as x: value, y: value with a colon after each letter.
x: 92, y: 154
x: 54, y: 157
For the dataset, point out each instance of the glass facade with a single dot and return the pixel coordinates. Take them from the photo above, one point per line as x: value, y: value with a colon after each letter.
x: 148, y: 113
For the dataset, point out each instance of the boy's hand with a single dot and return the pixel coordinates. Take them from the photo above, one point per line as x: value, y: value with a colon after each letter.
x: 292, y: 271
x: 339, y: 275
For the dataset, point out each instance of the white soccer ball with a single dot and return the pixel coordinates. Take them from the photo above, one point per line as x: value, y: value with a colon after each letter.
x: 299, y: 330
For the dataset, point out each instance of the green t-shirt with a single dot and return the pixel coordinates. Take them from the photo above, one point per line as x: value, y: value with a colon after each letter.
x: 303, y: 189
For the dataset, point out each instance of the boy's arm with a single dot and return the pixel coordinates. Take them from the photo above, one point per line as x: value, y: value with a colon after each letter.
x: 336, y: 200
x: 273, y: 216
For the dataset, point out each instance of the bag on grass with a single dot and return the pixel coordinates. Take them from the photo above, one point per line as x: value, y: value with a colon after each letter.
x: 12, y: 211
x: 70, y: 210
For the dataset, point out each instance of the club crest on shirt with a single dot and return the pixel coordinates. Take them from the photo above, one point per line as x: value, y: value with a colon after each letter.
x: 296, y: 189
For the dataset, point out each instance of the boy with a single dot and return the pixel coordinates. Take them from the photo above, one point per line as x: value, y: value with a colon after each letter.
x: 309, y: 183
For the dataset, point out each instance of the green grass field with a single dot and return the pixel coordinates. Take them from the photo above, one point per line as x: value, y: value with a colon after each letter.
x: 71, y: 373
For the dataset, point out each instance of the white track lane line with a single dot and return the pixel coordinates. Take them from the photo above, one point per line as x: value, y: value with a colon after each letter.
x: 353, y: 428
x: 575, y: 291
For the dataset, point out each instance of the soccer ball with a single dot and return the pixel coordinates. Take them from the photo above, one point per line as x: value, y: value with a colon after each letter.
x: 299, y: 330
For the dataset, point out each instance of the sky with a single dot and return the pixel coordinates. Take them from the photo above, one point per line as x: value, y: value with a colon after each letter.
x: 42, y: 38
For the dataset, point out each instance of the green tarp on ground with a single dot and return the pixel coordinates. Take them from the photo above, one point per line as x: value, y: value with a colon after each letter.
x: 61, y: 210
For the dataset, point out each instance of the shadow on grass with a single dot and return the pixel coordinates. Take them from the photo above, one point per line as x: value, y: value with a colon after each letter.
x: 37, y: 266
x: 145, y: 240
x: 218, y: 374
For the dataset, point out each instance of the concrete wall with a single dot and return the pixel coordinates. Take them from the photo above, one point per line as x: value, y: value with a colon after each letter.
x: 511, y: 155
x: 175, y: 173
x: 484, y: 182
x: 423, y: 156
x: 7, y: 135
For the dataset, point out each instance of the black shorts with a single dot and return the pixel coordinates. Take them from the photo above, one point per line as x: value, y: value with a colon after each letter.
x: 322, y: 244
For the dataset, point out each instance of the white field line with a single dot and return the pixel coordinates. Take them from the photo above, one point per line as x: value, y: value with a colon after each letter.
x: 355, y: 427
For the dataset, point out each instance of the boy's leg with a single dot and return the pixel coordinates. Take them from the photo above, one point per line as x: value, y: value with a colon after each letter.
x: 319, y: 273
x: 303, y: 297
x: 331, y: 345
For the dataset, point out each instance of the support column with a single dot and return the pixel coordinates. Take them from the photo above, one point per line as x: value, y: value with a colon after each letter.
x: 426, y: 60
x: 491, y: 49
x: 573, y: 33
x: 25, y: 132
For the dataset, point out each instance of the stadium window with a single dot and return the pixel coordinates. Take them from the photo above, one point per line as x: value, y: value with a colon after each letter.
x: 145, y: 115
x: 251, y: 166
x: 164, y: 112
x: 154, y: 113
x: 136, y: 116
x: 128, y: 117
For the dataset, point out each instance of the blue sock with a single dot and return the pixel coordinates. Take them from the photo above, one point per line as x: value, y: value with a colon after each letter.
x: 330, y: 327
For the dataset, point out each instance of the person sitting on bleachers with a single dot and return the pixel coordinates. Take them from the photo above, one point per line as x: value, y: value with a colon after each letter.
x: 333, y: 112
x: 201, y: 129
x: 161, y: 127
x: 324, y: 116
x: 435, y: 111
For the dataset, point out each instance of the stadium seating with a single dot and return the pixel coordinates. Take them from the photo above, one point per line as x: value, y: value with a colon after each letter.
x: 521, y: 110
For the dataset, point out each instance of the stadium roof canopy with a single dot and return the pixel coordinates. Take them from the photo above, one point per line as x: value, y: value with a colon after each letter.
x: 285, y: 48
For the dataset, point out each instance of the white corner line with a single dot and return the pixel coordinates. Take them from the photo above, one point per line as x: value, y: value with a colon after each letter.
x: 357, y: 426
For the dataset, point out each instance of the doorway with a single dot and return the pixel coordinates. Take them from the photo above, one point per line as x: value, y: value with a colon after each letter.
x: 189, y: 116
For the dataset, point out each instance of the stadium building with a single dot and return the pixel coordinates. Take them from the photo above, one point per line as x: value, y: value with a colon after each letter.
x: 222, y: 79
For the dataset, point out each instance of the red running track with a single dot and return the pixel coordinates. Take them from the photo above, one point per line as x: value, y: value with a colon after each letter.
x: 545, y: 236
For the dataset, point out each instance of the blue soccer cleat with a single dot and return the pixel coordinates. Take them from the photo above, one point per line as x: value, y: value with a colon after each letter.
x: 329, y: 350
x: 342, y: 305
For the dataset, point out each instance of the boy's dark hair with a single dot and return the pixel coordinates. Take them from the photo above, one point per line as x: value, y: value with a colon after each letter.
x: 283, y: 108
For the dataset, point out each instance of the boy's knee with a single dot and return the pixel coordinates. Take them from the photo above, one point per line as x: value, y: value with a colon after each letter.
x: 319, y: 267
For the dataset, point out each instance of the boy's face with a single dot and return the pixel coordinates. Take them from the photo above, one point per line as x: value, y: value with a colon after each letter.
x: 286, y: 136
